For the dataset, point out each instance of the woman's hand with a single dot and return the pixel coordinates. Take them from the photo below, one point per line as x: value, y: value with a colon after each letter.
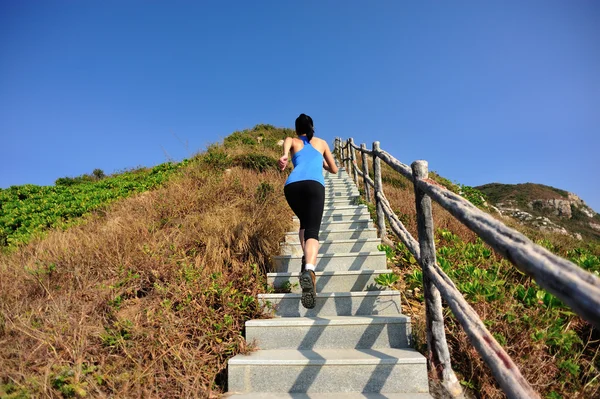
x: 283, y: 161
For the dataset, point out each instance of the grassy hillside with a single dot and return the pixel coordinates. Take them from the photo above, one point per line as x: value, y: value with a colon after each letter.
x: 557, y: 352
x: 529, y: 197
x: 146, y: 294
x: 27, y: 211
x: 147, y: 297
x: 521, y: 193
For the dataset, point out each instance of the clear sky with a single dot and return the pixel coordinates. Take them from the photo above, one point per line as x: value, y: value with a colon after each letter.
x: 486, y: 91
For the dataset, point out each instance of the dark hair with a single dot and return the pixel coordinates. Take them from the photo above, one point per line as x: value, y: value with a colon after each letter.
x: 304, y: 125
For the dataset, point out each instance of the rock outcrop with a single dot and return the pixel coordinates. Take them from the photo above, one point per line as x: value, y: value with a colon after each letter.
x: 562, y: 207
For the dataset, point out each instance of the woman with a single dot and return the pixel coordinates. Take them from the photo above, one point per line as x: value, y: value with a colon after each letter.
x: 305, y: 193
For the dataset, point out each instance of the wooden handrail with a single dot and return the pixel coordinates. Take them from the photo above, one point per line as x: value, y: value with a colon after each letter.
x: 577, y: 288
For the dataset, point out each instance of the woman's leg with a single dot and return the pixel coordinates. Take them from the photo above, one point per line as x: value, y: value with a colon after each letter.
x: 311, y: 249
x: 315, y: 201
x: 301, y: 238
x: 294, y: 194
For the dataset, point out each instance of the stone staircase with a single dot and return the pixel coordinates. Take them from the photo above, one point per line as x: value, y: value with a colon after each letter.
x: 355, y: 343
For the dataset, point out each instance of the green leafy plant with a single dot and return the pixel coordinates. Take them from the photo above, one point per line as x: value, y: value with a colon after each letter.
x: 28, y: 210
x: 387, y: 280
x: 389, y: 251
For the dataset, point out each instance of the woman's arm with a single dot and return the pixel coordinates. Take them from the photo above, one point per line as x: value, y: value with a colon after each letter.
x: 331, y: 166
x: 287, y: 145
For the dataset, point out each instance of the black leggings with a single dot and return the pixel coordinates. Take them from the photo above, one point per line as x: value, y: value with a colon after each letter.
x: 307, y: 200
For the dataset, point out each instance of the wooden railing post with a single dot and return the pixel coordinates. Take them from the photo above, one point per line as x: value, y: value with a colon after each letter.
x: 336, y: 146
x: 378, y: 188
x: 346, y: 155
x: 353, y: 160
x: 365, y: 170
x: 438, y: 353
x: 342, y: 155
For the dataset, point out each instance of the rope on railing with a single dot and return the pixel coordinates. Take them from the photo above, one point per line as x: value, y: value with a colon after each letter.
x: 576, y: 287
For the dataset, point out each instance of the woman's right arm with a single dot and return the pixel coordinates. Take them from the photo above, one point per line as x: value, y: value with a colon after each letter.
x: 287, y: 145
x: 331, y: 166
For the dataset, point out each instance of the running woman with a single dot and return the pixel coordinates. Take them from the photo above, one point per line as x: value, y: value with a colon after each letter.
x: 305, y: 193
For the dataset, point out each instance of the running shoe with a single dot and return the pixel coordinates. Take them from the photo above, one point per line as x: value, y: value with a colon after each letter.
x: 309, y: 293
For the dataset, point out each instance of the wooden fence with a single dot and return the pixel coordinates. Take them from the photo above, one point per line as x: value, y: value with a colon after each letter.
x: 577, y: 288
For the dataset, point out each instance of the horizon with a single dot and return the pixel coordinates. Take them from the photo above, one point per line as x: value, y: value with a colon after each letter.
x: 501, y: 92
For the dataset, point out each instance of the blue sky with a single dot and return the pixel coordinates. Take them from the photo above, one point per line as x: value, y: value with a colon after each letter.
x: 486, y: 91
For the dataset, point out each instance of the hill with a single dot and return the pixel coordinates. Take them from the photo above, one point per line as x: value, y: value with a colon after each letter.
x: 144, y: 291
x: 545, y: 208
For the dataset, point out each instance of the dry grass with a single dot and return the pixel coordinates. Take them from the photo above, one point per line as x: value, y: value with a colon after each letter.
x: 147, y: 299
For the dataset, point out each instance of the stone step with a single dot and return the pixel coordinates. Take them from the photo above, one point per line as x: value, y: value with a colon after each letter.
x: 331, y: 176
x: 339, y: 218
x: 340, y: 281
x: 344, y: 179
x: 334, y: 246
x: 339, y: 201
x: 328, y: 395
x: 338, y: 197
x: 340, y: 186
x: 347, y: 210
x: 364, y: 303
x: 337, y: 194
x: 333, y: 262
x: 342, y: 332
x: 342, y: 234
x: 329, y: 370
x: 346, y: 225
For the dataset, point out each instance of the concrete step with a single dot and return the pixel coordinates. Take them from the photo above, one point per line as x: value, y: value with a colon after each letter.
x: 339, y: 225
x: 339, y: 201
x: 347, y: 210
x: 333, y: 262
x: 332, y: 214
x: 338, y: 180
x: 340, y: 281
x: 340, y: 194
x: 338, y: 218
x: 329, y: 370
x: 340, y: 186
x: 342, y: 234
x: 340, y: 175
x: 342, y: 332
x: 346, y: 225
x: 364, y: 303
x: 328, y: 395
x: 337, y: 246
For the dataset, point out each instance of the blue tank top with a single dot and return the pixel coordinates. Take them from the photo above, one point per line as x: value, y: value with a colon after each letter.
x: 308, y: 164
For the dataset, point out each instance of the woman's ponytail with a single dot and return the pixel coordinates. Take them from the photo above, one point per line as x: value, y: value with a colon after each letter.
x: 304, y: 125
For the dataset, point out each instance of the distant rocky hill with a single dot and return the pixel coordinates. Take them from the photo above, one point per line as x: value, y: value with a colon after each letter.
x: 544, y: 207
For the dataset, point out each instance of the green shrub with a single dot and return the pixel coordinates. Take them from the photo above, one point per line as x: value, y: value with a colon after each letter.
x: 254, y: 161
x: 473, y: 195
x: 217, y: 158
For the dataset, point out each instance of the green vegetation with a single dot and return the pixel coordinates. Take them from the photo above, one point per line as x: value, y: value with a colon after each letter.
x: 260, y: 136
x: 556, y: 351
x: 29, y: 210
x: 471, y: 194
x: 387, y: 280
x: 520, y: 193
x: 149, y: 296
x: 156, y: 288
x: 530, y: 323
